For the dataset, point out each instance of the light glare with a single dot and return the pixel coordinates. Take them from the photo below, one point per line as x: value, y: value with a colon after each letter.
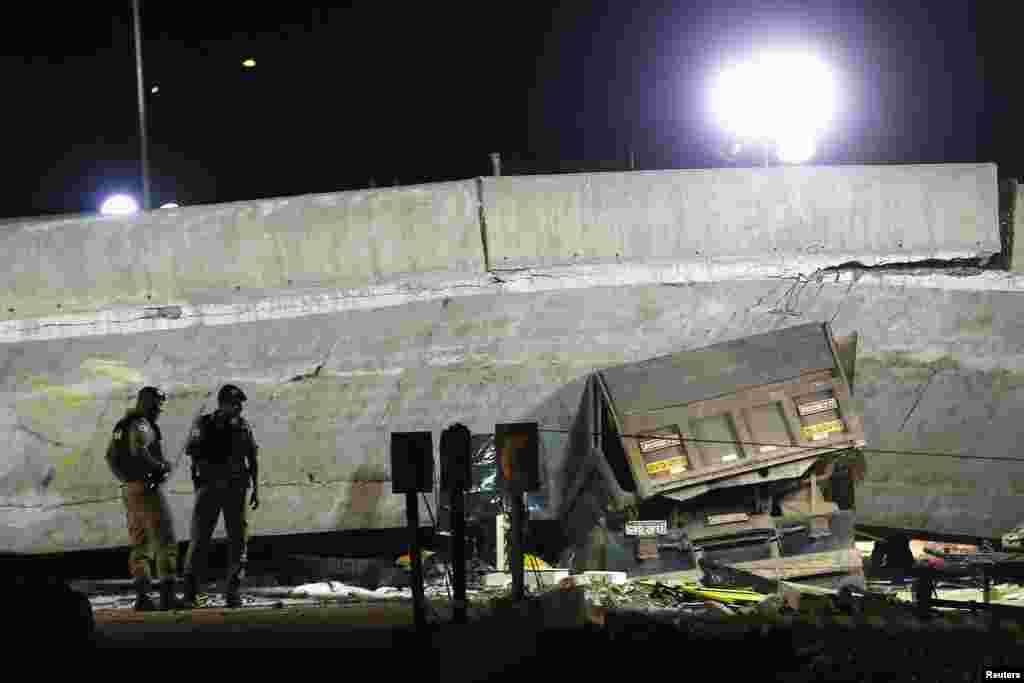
x: 788, y: 99
x: 119, y: 205
x: 795, y: 151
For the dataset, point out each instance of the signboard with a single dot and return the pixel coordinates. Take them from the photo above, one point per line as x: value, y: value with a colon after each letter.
x: 647, y: 528
x: 822, y: 430
x: 730, y: 518
x: 673, y: 466
x: 657, y: 444
x: 817, y: 407
x: 517, y: 448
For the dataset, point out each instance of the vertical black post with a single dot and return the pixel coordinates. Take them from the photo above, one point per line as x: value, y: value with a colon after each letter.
x: 459, y: 553
x: 516, y: 561
x: 412, y: 510
x: 146, y: 204
x: 456, y: 477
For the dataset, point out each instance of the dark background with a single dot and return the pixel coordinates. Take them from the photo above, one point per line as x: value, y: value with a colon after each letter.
x: 422, y: 92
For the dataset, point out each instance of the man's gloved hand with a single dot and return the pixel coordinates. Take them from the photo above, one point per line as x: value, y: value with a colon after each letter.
x: 154, y: 480
x: 159, y: 476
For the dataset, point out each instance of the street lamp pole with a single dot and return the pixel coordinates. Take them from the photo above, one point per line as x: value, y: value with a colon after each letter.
x: 146, y: 205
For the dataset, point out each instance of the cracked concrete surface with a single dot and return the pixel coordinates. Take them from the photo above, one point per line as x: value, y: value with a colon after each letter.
x: 332, y: 367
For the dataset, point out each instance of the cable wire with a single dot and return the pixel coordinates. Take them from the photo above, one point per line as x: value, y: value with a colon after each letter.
x: 785, y: 445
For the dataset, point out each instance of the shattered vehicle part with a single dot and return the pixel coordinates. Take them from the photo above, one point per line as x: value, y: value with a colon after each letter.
x: 745, y: 453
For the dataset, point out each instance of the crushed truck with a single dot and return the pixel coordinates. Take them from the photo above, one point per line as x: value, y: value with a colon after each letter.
x: 745, y: 453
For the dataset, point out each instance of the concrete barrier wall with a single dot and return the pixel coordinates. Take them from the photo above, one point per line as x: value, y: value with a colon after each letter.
x: 347, y: 239
x: 771, y: 215
x: 1016, y: 227
x: 940, y: 369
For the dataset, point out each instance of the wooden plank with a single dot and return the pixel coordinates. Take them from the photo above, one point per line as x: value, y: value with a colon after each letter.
x: 811, y: 564
x: 801, y: 566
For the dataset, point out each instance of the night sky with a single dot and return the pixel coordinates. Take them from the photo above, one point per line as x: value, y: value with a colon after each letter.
x: 423, y: 92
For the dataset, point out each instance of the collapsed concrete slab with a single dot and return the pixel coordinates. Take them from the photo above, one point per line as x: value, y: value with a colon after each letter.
x: 939, y: 370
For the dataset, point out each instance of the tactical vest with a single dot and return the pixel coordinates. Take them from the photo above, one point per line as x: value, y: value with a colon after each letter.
x: 119, y: 455
x: 223, y: 449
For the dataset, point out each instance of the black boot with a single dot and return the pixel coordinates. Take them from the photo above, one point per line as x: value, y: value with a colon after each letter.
x: 168, y: 600
x: 191, y: 591
x: 143, y: 603
x: 231, y: 596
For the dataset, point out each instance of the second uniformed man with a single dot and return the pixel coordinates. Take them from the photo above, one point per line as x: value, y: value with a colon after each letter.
x: 223, y: 453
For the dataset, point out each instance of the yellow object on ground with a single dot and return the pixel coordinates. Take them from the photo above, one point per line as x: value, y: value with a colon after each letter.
x: 534, y: 562
x: 724, y: 595
x: 405, y: 561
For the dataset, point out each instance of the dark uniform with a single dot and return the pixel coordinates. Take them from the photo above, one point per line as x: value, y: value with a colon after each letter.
x: 223, y: 453
x: 135, y: 457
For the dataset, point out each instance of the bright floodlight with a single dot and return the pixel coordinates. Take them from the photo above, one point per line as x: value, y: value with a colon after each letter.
x: 249, y: 63
x: 119, y: 205
x: 787, y: 99
x: 169, y: 205
x: 795, y: 151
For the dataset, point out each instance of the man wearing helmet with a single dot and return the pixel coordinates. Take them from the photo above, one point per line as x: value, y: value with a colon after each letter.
x: 223, y: 453
x: 135, y: 456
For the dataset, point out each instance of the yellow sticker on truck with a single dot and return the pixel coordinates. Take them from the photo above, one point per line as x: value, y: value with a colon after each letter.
x: 823, y: 429
x: 676, y: 465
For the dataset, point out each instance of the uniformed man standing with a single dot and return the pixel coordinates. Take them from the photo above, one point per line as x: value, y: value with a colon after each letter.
x: 223, y: 453
x: 135, y: 456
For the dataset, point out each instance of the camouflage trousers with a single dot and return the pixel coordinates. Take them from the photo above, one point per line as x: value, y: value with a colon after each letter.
x: 213, y: 499
x: 150, y: 532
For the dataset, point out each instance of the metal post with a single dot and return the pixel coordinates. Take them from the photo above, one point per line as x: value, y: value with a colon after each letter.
x: 496, y: 163
x: 412, y: 511
x: 516, y: 561
x: 146, y: 205
x: 459, y: 554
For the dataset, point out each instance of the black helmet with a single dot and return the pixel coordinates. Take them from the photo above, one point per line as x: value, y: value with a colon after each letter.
x: 152, y: 392
x: 229, y: 393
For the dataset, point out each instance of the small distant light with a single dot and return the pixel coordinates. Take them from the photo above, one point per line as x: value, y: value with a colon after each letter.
x: 249, y: 63
x: 169, y: 205
x: 155, y: 89
x: 119, y: 205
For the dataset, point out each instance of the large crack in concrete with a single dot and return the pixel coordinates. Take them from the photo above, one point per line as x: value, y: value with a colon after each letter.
x: 789, y: 303
x: 960, y: 267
